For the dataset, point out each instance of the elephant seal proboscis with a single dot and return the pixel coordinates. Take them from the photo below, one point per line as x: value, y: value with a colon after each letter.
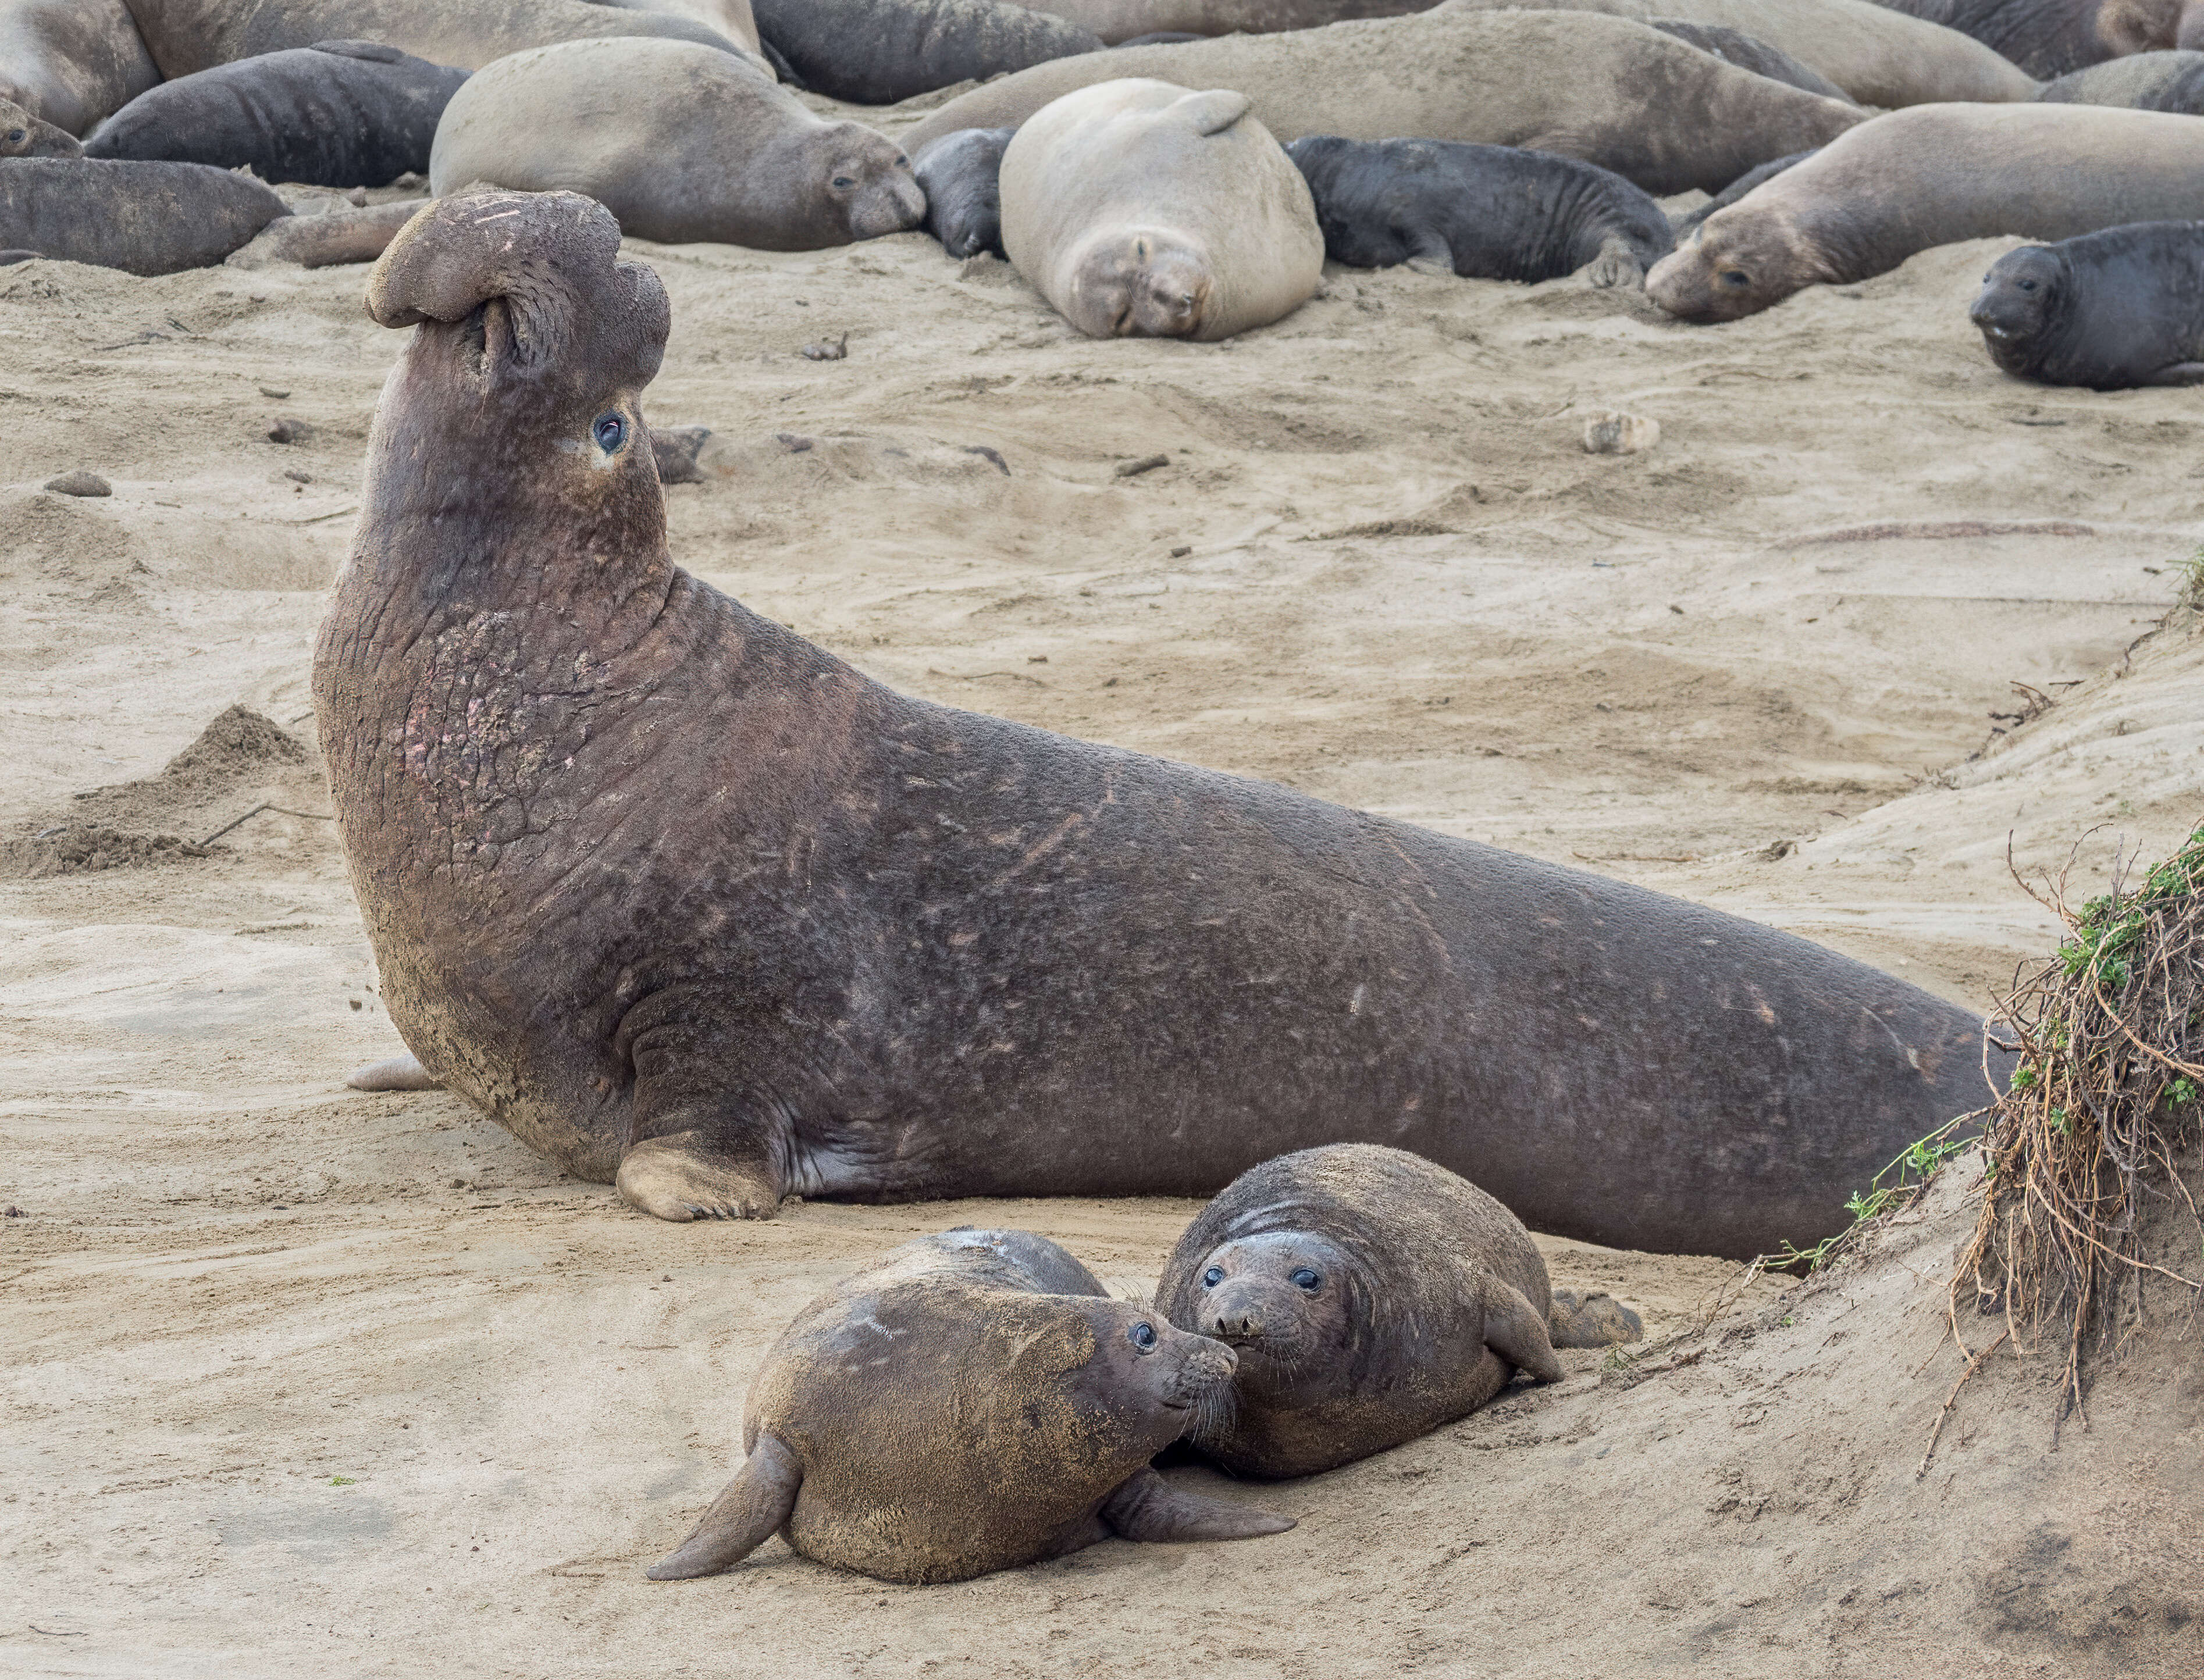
x: 1581, y: 85
x: 2109, y: 310
x: 1747, y: 52
x: 71, y: 62
x: 678, y: 896
x: 961, y: 174
x: 1140, y: 209
x: 1934, y: 174
x: 1372, y: 1297
x: 1484, y: 212
x: 22, y: 135
x: 337, y: 114
x: 146, y: 218
x: 680, y: 142
x: 2148, y: 81
x: 1877, y: 55
x: 2056, y: 37
x: 875, y: 52
x: 186, y: 36
x: 974, y: 1401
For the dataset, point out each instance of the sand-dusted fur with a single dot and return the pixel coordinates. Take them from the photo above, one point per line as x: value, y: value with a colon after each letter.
x: 148, y: 218
x: 22, y: 135
x: 680, y: 142
x: 2109, y: 310
x: 961, y: 174
x: 1877, y: 55
x: 1610, y: 91
x: 71, y: 62
x: 2148, y: 82
x: 1140, y: 208
x: 731, y: 18
x: 339, y: 114
x: 1372, y: 1297
x: 974, y: 1401
x: 1934, y: 175
x: 2053, y: 37
x: 1120, y: 20
x: 875, y: 52
x: 1749, y: 52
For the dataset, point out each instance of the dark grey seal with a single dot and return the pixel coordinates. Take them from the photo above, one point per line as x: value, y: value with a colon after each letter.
x: 1737, y: 189
x: 1484, y: 212
x: 149, y: 218
x: 22, y: 135
x: 875, y: 52
x: 2053, y: 37
x: 1749, y: 52
x: 2108, y: 310
x: 2148, y: 81
x: 961, y: 174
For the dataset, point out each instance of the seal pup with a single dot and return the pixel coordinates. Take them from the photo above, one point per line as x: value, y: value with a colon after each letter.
x: 71, y: 62
x: 22, y: 135
x: 1137, y: 208
x: 336, y: 113
x: 2109, y: 310
x: 961, y: 174
x: 1662, y: 115
x: 973, y: 1402
x: 683, y: 900
x: 876, y: 52
x: 2148, y: 81
x: 1934, y: 174
x: 145, y: 218
x: 1484, y: 212
x: 681, y: 143
x: 1372, y: 1297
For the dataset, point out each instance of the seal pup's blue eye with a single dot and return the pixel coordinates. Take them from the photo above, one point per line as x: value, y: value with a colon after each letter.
x: 1212, y: 1277
x: 610, y: 431
x: 1303, y: 1278
x: 1144, y: 1336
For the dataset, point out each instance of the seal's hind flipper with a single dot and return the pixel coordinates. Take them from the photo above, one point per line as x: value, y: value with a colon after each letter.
x: 749, y: 1512
x: 392, y: 1072
x: 1517, y: 1334
x: 1593, y: 1320
x: 1146, y: 1507
x: 1214, y: 112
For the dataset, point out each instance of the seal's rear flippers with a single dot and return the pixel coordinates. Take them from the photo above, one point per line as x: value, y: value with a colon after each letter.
x: 392, y: 1072
x: 1147, y: 1507
x: 1594, y: 1320
x: 750, y: 1510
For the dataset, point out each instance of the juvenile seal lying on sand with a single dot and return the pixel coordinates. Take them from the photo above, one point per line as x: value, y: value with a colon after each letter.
x: 875, y: 52
x: 1371, y: 1297
x: 337, y: 114
x: 2121, y: 308
x: 2149, y: 81
x: 1612, y: 92
x: 974, y: 1401
x: 1139, y: 208
x: 961, y: 174
x: 677, y: 896
x: 22, y: 135
x: 71, y: 62
x: 1485, y: 212
x: 1931, y: 176
x: 147, y: 218
x: 681, y: 143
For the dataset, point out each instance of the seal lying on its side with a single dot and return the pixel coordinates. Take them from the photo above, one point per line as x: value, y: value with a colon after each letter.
x: 22, y: 135
x: 1748, y: 52
x: 875, y: 52
x: 2148, y: 81
x: 2109, y: 310
x: 961, y: 174
x: 1934, y: 175
x: 71, y: 62
x: 1140, y: 209
x: 147, y: 218
x: 681, y: 143
x: 1484, y: 212
x: 974, y: 1401
x: 337, y: 114
x: 1371, y: 1297
x: 676, y: 896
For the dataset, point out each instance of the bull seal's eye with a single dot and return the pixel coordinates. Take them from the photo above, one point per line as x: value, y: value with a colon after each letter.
x: 1144, y: 1336
x: 1304, y: 1279
x: 1212, y: 1277
x: 844, y: 181
x: 610, y: 432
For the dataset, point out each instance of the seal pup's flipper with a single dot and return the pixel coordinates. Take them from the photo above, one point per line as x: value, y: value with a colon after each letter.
x: 1214, y: 112
x: 392, y: 1072
x: 1146, y: 1507
x: 1592, y: 1319
x: 1517, y: 1332
x: 749, y: 1512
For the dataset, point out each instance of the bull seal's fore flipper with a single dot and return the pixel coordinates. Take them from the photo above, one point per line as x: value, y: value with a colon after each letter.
x: 1592, y: 1318
x: 392, y: 1072
x: 1146, y: 1507
x: 750, y: 1510
x: 686, y: 1176
x: 1517, y: 1332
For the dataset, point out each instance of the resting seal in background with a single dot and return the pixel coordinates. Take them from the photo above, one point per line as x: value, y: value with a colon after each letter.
x: 337, y: 114
x: 1371, y: 1297
x: 961, y: 174
x: 2148, y: 81
x: 731, y: 18
x: 676, y: 896
x: 1484, y: 212
x: 1615, y: 93
x: 1733, y: 46
x: 1933, y: 176
x: 974, y: 1401
x: 147, y: 218
x: 1140, y: 209
x: 1747, y: 182
x: 2109, y: 310
x: 2054, y: 37
x: 1120, y: 21
x: 71, y: 62
x: 681, y: 143
x: 875, y: 52
x: 22, y: 135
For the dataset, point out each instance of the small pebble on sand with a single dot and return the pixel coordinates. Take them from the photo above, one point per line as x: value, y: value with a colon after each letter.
x: 1617, y: 433
x: 80, y: 483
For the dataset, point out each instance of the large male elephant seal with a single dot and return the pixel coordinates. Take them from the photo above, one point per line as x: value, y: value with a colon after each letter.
x: 1484, y: 212
x: 1372, y: 1297
x: 338, y: 114
x: 678, y: 896
x: 875, y: 52
x: 190, y: 35
x: 1140, y: 209
x: 2054, y: 37
x: 2108, y: 310
x: 973, y: 1401
x: 1933, y: 176
x: 147, y: 218
x: 22, y: 135
x: 961, y: 174
x: 2148, y: 82
x: 1612, y: 92
x: 71, y: 62
x: 681, y: 143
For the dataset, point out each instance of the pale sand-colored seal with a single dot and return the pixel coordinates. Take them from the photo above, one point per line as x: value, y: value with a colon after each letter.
x: 1137, y: 208
x: 678, y: 897
x: 681, y: 143
x: 1933, y: 176
x: 341, y: 234
x: 731, y: 18
x: 22, y: 135
x: 875, y: 52
x: 2055, y: 38
x: 974, y: 1401
x: 146, y: 218
x: 1608, y: 91
x: 71, y: 62
x: 1372, y: 1297
x: 961, y: 174
x: 2108, y: 310
x: 2146, y: 81
x: 1747, y: 52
